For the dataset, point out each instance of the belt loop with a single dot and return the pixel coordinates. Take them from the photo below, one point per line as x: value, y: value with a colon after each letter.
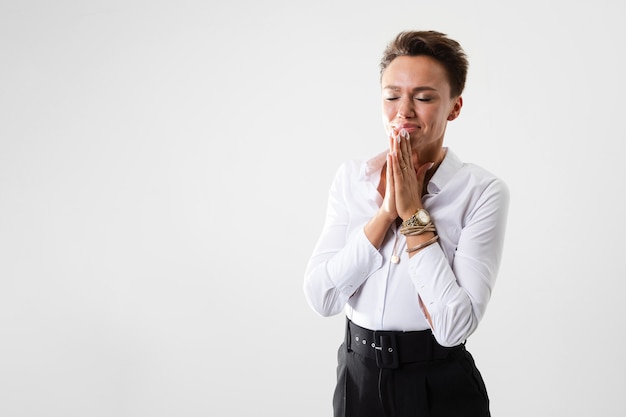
x: 348, y: 335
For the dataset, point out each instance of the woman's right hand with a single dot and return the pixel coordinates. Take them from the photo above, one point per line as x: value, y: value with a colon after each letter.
x: 388, y: 208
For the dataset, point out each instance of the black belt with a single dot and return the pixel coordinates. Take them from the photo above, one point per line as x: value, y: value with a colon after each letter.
x: 391, y: 348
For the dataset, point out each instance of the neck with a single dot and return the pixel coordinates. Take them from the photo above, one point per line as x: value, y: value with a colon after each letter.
x: 436, y: 159
x: 422, y: 156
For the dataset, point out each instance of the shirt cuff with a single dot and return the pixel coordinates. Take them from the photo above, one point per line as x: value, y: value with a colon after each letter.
x: 356, y: 262
x: 431, y: 275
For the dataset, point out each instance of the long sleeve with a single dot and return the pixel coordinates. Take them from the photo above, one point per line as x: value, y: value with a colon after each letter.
x: 456, y: 293
x: 343, y: 257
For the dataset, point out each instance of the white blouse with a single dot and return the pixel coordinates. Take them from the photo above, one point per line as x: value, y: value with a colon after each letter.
x: 454, y: 277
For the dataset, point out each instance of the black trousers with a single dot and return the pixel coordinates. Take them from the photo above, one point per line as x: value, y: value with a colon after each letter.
x: 443, y: 383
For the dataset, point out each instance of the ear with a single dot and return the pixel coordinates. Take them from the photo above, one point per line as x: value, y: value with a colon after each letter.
x: 456, y: 108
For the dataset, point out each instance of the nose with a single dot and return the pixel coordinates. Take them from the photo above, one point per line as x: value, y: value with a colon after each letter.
x: 405, y: 108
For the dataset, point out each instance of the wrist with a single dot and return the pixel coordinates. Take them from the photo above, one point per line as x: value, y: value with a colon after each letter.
x: 385, y: 216
x: 414, y: 240
x: 417, y: 243
x: 406, y: 215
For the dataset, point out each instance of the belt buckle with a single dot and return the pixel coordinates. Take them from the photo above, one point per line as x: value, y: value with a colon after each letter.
x: 386, y: 350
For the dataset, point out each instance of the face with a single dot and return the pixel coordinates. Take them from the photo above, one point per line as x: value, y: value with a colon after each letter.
x: 416, y: 97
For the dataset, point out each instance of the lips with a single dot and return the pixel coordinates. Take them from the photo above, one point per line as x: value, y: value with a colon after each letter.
x: 408, y: 127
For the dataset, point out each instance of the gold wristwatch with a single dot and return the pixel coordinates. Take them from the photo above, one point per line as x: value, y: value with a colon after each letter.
x: 420, y: 218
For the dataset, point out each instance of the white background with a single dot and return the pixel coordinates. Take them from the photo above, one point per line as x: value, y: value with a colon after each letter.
x: 164, y: 167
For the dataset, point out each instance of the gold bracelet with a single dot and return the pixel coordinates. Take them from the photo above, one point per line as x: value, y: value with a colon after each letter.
x: 423, y: 245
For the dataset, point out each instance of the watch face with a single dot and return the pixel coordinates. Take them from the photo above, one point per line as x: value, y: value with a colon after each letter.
x: 423, y: 216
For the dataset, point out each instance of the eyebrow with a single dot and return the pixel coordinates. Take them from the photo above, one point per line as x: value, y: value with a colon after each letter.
x: 415, y: 90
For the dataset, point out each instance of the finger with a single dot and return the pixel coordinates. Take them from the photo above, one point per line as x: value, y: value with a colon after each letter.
x: 398, y: 153
x: 399, y: 170
x: 394, y: 141
x: 406, y: 148
x: 389, y: 174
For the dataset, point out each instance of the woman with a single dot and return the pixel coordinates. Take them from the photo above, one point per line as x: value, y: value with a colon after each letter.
x: 410, y: 248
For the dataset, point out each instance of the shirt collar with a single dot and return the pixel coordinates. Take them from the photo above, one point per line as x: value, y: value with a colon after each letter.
x: 448, y: 168
x: 374, y: 165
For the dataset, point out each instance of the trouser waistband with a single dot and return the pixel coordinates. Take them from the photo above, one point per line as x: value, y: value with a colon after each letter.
x: 390, y: 349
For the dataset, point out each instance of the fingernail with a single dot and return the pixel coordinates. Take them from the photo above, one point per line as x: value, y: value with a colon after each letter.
x: 403, y: 132
x: 398, y: 138
x: 432, y: 164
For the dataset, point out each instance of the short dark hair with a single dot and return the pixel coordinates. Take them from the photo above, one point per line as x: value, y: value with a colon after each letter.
x: 436, y: 45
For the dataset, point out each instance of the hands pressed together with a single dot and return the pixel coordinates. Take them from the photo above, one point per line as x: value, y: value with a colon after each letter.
x: 404, y: 177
